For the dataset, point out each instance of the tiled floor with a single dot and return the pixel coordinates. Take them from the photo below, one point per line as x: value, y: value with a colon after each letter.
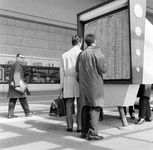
x: 44, y: 132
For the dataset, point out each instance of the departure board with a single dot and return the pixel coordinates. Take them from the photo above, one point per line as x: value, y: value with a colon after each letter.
x: 112, y: 34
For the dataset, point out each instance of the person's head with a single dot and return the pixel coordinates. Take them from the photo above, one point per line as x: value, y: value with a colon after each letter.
x: 76, y: 40
x: 20, y: 57
x: 90, y: 40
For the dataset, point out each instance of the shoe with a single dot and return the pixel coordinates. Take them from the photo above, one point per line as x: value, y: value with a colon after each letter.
x: 94, y: 137
x: 12, y: 116
x: 148, y: 119
x: 132, y: 116
x: 79, y: 130
x: 140, y: 121
x: 69, y: 129
x: 29, y: 114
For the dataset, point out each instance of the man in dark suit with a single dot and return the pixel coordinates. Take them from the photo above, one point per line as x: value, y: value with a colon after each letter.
x: 90, y: 67
x: 144, y: 105
x: 14, y: 92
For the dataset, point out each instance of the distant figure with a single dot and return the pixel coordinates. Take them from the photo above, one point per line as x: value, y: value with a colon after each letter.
x: 131, y: 112
x: 70, y: 84
x: 91, y: 67
x: 15, y: 75
x: 144, y: 105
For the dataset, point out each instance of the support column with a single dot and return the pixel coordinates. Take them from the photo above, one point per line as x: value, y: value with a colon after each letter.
x: 122, y: 115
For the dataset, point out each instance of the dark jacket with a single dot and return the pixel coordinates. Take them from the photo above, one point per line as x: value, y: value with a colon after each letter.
x: 144, y: 90
x: 15, y: 75
x: 91, y: 66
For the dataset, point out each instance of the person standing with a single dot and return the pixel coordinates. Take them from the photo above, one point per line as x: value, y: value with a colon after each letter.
x: 144, y: 105
x: 131, y: 112
x: 70, y: 84
x: 91, y: 67
x: 14, y: 92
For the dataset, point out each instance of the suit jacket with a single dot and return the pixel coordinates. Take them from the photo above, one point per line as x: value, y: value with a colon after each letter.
x: 91, y: 66
x: 69, y: 83
x: 15, y: 75
x: 144, y: 90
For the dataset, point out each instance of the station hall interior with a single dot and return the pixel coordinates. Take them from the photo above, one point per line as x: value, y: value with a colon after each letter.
x: 42, y: 30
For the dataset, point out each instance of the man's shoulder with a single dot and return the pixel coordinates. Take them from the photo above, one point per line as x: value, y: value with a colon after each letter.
x: 72, y: 51
x: 65, y: 54
x: 16, y: 64
x: 92, y: 51
x: 96, y: 50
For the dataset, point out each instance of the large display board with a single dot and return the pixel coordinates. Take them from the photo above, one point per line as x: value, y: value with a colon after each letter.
x: 112, y: 34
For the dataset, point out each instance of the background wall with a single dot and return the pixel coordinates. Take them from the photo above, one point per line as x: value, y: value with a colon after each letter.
x: 53, y: 11
x: 39, y: 29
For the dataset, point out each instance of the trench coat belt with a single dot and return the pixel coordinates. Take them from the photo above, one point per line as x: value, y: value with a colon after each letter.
x: 70, y: 76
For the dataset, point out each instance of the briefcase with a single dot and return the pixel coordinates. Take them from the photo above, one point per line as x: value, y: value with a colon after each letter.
x: 57, y: 107
x: 23, y: 86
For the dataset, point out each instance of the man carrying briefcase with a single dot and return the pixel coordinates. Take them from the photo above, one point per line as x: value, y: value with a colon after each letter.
x: 14, y: 92
x: 70, y: 84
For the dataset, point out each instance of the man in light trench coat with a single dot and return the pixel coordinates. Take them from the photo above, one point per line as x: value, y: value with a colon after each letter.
x: 70, y: 84
x: 91, y: 65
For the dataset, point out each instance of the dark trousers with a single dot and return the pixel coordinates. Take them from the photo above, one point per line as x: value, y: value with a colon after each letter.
x: 23, y: 102
x: 131, y: 110
x: 90, y: 119
x: 144, y: 107
x: 69, y: 112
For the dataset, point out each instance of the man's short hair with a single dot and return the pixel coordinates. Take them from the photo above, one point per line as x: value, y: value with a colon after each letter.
x: 18, y: 55
x: 89, y: 39
x: 76, y: 39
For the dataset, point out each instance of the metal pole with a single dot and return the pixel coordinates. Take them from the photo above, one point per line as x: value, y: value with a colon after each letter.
x: 122, y: 115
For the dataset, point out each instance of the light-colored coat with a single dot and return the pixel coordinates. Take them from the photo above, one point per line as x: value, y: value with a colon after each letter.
x: 15, y: 75
x: 91, y: 66
x: 70, y: 85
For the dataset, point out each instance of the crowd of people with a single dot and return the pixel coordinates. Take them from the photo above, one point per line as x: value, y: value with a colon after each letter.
x: 83, y: 71
x: 82, y: 80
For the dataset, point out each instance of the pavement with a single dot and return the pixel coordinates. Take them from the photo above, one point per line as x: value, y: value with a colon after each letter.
x: 44, y: 132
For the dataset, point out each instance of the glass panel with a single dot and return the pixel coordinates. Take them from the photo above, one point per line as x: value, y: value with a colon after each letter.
x: 36, y: 74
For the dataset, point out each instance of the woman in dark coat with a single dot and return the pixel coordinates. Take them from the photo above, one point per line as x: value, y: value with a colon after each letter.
x: 13, y: 94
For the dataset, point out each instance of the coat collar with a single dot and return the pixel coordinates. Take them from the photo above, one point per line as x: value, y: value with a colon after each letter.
x: 89, y: 47
x: 21, y: 63
x: 75, y: 47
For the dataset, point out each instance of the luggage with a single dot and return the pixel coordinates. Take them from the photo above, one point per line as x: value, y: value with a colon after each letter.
x: 57, y: 107
x: 23, y: 86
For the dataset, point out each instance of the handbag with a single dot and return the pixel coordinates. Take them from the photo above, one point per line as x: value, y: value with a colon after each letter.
x: 23, y: 86
x: 57, y: 107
